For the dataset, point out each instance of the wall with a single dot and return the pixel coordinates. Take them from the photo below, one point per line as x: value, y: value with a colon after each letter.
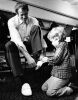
x: 64, y: 8
x: 56, y: 5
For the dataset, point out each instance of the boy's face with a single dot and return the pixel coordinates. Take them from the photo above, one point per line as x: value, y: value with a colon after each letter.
x: 55, y: 41
x: 55, y: 35
x: 22, y: 14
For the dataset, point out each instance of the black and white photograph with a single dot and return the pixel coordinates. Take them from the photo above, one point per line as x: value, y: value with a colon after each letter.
x: 38, y: 49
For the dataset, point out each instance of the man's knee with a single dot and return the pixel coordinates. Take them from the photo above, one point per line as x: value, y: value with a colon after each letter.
x: 35, y: 28
x: 9, y: 45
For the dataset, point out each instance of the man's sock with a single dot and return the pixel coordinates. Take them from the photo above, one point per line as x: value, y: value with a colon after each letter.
x: 19, y: 80
x: 22, y: 79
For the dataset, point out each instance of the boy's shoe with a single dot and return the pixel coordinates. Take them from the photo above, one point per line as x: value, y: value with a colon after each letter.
x: 65, y: 91
x: 26, y: 90
x: 73, y: 85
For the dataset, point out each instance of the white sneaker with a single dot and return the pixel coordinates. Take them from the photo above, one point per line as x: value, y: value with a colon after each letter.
x: 26, y: 90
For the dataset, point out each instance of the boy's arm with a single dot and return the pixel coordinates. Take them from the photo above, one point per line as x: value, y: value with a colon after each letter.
x: 58, y: 55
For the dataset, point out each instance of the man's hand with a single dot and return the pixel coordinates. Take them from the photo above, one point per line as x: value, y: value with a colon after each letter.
x: 31, y: 62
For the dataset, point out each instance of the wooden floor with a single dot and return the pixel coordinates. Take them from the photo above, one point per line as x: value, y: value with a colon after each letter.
x: 9, y: 91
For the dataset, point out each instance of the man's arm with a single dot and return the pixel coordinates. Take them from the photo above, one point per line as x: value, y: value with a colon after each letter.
x: 14, y: 34
x: 30, y: 60
x: 15, y: 37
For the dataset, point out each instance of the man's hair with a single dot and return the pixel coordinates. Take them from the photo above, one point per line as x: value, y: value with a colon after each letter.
x: 24, y: 6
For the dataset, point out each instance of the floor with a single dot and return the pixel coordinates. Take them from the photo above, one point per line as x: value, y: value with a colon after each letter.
x: 10, y: 91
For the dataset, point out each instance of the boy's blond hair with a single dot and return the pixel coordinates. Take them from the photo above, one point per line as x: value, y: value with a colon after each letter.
x: 57, y: 32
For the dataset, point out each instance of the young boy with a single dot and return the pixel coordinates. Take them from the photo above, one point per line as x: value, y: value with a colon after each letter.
x: 59, y: 59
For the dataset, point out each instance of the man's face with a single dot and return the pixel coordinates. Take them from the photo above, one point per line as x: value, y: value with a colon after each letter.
x: 23, y: 14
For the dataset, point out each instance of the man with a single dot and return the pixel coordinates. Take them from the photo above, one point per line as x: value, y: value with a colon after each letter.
x: 25, y: 37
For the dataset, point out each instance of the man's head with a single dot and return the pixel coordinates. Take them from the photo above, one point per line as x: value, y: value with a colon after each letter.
x: 21, y: 10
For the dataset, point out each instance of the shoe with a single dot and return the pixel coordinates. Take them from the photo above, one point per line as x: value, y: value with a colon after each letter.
x: 69, y: 90
x: 64, y: 91
x: 26, y: 90
x: 73, y: 85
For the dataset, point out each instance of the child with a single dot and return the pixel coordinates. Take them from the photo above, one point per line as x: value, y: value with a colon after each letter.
x: 59, y: 60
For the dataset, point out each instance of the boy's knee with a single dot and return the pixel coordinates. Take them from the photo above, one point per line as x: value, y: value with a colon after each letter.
x: 44, y: 88
x: 51, y: 92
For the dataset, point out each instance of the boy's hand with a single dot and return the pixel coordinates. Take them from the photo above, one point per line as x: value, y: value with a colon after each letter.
x: 39, y: 63
x: 41, y: 57
x: 45, y: 59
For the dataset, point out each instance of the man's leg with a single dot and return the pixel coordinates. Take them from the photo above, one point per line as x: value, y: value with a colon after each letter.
x: 35, y: 39
x: 13, y: 58
x: 42, y: 74
x: 34, y: 46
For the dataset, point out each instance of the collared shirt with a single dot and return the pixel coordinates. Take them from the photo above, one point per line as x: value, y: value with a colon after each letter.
x: 20, y: 31
x: 61, y: 62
